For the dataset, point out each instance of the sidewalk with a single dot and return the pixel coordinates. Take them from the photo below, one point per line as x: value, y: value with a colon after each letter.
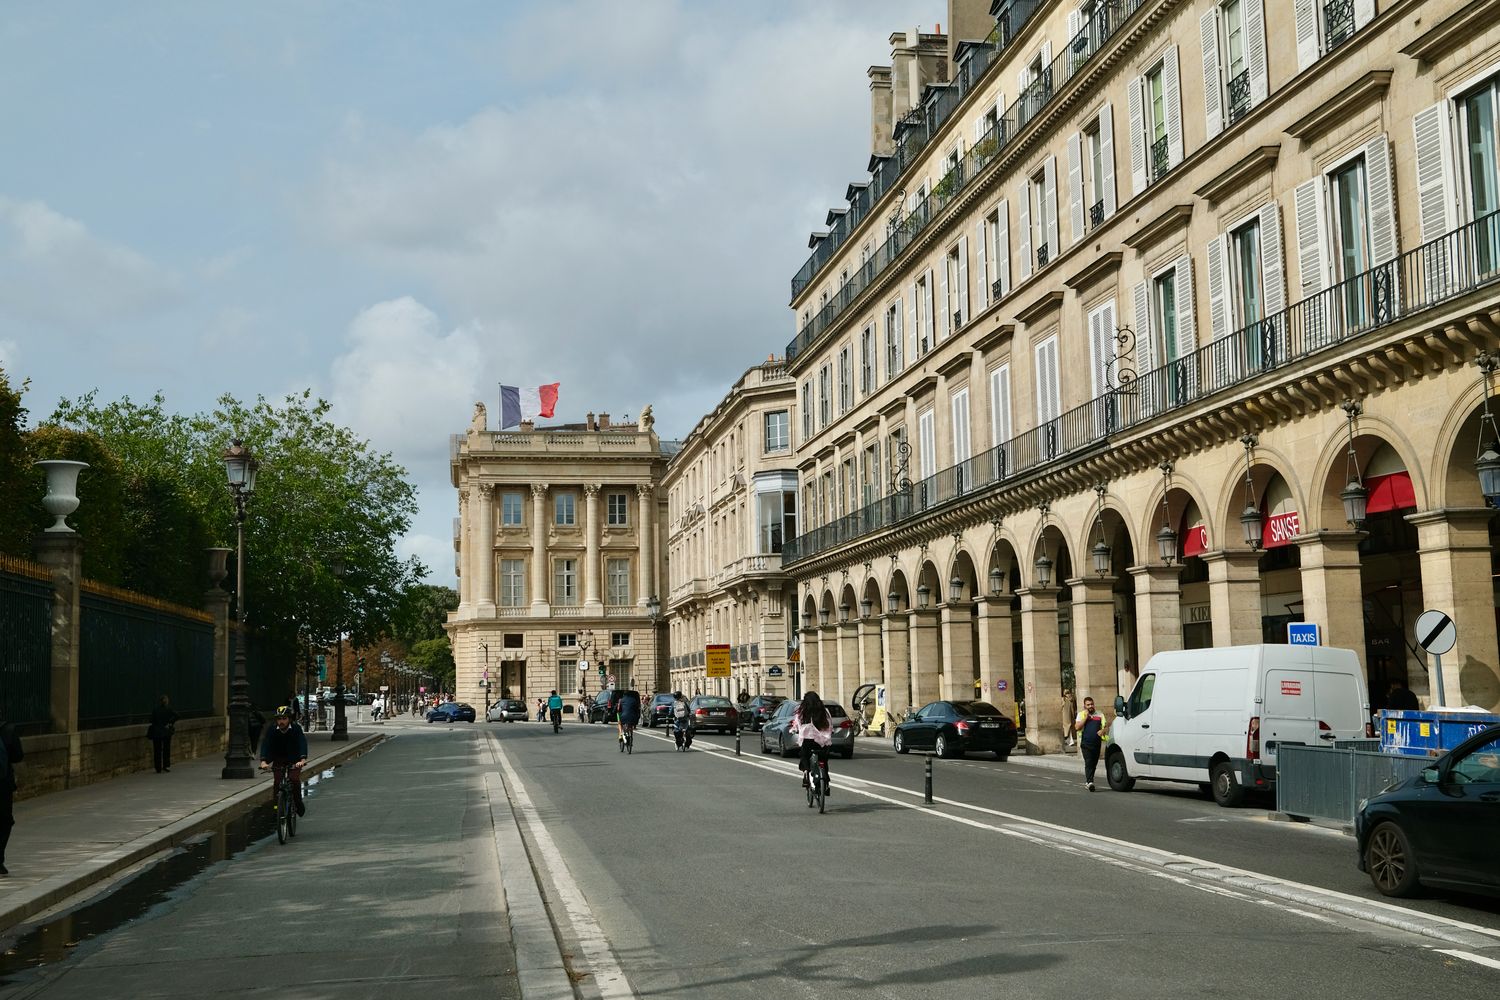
x: 67, y: 841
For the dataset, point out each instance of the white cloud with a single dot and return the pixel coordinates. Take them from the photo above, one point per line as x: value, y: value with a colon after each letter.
x: 55, y: 273
x: 436, y: 554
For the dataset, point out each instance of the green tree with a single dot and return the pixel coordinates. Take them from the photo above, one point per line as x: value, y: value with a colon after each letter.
x: 436, y: 657
x: 18, y: 495
x: 421, y: 613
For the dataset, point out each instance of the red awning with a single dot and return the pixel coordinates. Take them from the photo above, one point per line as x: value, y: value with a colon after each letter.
x: 1280, y: 529
x: 1195, y: 542
x: 1392, y: 492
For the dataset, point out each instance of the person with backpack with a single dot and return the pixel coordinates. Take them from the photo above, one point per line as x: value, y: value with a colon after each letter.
x: 11, y: 754
x: 682, y: 731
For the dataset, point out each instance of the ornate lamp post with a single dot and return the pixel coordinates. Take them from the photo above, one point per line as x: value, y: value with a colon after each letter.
x: 340, y: 720
x: 241, y: 467
x: 653, y: 611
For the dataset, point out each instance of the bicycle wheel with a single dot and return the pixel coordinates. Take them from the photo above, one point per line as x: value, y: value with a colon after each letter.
x: 630, y: 741
x: 283, y: 811
x: 822, y: 783
x: 291, y: 813
x: 811, y: 789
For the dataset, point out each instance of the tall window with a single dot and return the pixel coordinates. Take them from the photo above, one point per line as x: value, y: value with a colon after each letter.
x: 617, y: 579
x: 1156, y: 122
x: 900, y: 465
x: 825, y: 396
x: 870, y: 475
x: 617, y: 509
x: 956, y: 272
x: 1094, y: 145
x: 927, y: 444
x: 1351, y: 231
x: 960, y: 411
x: 565, y: 582
x: 510, y: 509
x: 778, y: 431
x: 512, y: 583
x: 924, y: 315
x: 1164, y: 328
x: 565, y: 509
x: 1248, y: 301
x: 867, y: 360
x: 895, y: 350
x: 846, y: 380
x: 807, y: 410
x: 1236, y: 67
x: 1477, y: 114
x: 1038, y: 220
x: 1000, y: 426
x: 777, y: 515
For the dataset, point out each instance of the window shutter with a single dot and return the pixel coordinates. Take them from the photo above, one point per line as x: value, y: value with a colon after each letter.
x: 1213, y: 84
x: 1049, y: 206
x: 1046, y: 56
x: 1187, y: 336
x: 1075, y: 25
x: 1364, y: 13
x: 960, y: 410
x: 1137, y: 136
x: 1432, y: 127
x: 1023, y: 210
x: 1172, y: 98
x: 1048, y: 403
x: 1107, y: 157
x: 944, y: 313
x: 963, y: 280
x: 1272, y: 265
x: 1255, y: 50
x: 900, y: 363
x: 1309, y: 44
x: 1075, y: 183
x: 979, y: 129
x: 1218, y: 309
x: 929, y: 310
x: 1145, y: 347
x: 1097, y: 346
x: 1002, y: 247
x: 1383, y: 238
x: 911, y: 323
x: 981, y: 251
x: 1000, y: 404
x: 1308, y: 199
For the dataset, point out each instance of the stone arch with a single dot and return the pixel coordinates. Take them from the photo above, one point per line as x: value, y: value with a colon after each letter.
x: 1057, y: 550
x: 1116, y: 520
x: 848, y: 602
x: 962, y: 566
x: 927, y: 576
x: 898, y: 586
x: 1184, y: 488
x: 1331, y: 475
x: 1267, y: 461
x: 1453, y: 481
x: 871, y: 592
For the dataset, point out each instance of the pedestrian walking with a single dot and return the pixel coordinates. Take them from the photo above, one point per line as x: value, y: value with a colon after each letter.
x: 1070, y: 716
x: 159, y: 732
x: 541, y: 710
x: 11, y: 754
x: 1090, y: 726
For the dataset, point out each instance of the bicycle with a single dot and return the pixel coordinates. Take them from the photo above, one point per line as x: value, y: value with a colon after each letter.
x: 286, y: 802
x: 557, y: 720
x: 817, y: 784
x: 627, y: 737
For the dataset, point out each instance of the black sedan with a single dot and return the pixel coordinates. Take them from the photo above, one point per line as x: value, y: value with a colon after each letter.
x: 600, y: 709
x: 775, y: 737
x: 1437, y: 828
x: 659, y: 712
x: 709, y: 711
x: 451, y: 711
x: 954, y: 728
x: 760, y: 710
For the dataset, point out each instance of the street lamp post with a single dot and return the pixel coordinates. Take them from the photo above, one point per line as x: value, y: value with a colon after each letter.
x: 340, y: 720
x: 653, y: 611
x: 240, y: 466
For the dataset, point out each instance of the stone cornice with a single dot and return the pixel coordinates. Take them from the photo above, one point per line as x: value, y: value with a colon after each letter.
x: 1453, y: 31
x: 1106, y: 265
x: 1041, y: 308
x: 895, y: 408
x: 995, y: 337
x: 1259, y: 161
x: 869, y: 423
x: 960, y: 362
x: 1342, y: 106
x: 1165, y: 225
x: 923, y: 385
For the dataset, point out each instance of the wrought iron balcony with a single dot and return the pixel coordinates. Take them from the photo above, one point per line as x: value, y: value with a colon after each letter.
x: 997, y: 290
x: 1041, y: 255
x: 1239, y: 96
x: 1096, y: 214
x: 1338, y: 21
x: 1161, y: 159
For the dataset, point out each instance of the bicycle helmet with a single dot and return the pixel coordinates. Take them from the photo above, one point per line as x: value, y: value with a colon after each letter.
x: 283, y: 712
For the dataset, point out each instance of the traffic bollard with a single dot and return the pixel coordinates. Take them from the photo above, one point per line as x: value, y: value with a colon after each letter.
x: 927, y: 789
x: 736, y: 741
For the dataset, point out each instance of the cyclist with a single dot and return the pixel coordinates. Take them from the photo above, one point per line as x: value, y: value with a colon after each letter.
x: 813, y: 729
x: 554, y: 706
x: 628, y: 712
x: 285, y: 745
x: 682, y: 718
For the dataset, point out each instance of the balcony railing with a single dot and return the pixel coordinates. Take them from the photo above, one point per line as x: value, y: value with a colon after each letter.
x: 1239, y: 96
x: 1096, y: 214
x: 1041, y: 255
x: 1107, y: 19
x: 1452, y: 265
x: 1338, y: 22
x: 1161, y: 159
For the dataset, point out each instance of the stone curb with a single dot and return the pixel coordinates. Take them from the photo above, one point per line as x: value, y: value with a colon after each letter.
x: 50, y: 892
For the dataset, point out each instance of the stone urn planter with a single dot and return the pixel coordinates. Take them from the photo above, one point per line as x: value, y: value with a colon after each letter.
x: 62, y: 490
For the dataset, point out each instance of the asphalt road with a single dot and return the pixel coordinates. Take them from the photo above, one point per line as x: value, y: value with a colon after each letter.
x: 709, y: 876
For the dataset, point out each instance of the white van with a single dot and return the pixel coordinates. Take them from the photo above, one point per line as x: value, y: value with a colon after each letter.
x: 1216, y: 716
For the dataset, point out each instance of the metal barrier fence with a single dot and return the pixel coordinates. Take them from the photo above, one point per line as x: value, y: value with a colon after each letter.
x: 25, y: 646
x: 1328, y: 782
x: 130, y: 654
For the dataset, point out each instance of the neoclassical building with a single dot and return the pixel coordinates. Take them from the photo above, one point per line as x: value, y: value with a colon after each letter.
x: 1154, y: 325
x: 731, y: 506
x: 558, y: 558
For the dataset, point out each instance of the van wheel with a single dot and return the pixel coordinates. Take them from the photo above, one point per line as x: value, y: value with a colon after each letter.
x: 1117, y: 773
x: 1228, y: 792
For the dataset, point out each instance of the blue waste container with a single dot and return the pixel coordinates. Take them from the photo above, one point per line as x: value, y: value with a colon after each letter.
x: 1430, y: 732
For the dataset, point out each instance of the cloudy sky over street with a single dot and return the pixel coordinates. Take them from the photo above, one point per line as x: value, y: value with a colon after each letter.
x: 401, y: 204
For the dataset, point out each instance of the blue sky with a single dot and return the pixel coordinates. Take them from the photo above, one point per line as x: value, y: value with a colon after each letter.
x: 402, y: 204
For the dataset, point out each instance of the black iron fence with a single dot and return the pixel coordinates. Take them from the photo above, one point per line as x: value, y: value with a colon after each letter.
x: 25, y: 647
x: 130, y: 654
x: 1456, y: 263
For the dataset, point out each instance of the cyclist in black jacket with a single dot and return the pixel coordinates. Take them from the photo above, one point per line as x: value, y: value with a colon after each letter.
x: 285, y: 744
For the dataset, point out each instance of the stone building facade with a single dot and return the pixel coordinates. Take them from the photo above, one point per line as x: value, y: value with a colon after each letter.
x: 558, y: 557
x: 1154, y: 325
x: 731, y: 506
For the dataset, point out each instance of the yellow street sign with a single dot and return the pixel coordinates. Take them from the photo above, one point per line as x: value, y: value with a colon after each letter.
x: 717, y: 660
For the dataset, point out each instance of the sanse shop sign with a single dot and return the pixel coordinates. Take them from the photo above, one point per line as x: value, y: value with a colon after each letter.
x: 1280, y: 529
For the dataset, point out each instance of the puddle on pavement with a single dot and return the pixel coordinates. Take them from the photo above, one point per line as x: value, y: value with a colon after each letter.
x: 60, y: 937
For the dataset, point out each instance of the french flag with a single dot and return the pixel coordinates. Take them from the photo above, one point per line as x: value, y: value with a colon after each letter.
x: 518, y: 404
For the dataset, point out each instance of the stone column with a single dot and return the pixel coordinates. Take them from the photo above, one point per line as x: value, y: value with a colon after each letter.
x: 539, y: 567
x: 1332, y: 595
x: 591, y: 602
x: 1043, y: 667
x: 996, y: 655
x: 897, y: 674
x: 869, y: 651
x: 926, y: 659
x: 1234, y: 596
x: 1158, y: 610
x: 1454, y: 547
x: 807, y: 649
x: 465, y: 557
x: 646, y: 531
x: 484, y: 552
x: 62, y: 553
x: 1095, y: 672
x: 827, y: 660
x: 958, y: 651
x: 848, y: 675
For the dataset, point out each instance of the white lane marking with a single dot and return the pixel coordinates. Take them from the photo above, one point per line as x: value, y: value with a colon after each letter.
x: 1345, y: 903
x: 608, y: 976
x: 1469, y: 956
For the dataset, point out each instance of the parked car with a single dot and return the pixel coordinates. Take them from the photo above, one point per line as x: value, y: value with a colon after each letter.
x: 775, y: 737
x: 659, y: 712
x: 602, y: 708
x: 1216, y: 716
x: 1437, y: 828
x: 709, y: 711
x: 760, y: 710
x: 451, y: 711
x: 954, y: 728
x: 507, y: 710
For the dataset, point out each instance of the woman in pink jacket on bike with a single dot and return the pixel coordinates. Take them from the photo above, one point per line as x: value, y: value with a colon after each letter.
x: 813, y: 729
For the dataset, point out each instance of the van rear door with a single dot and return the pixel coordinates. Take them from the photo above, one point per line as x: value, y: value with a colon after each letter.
x: 1288, y: 699
x: 1339, y: 695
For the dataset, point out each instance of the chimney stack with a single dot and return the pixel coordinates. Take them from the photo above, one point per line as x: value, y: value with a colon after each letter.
x: 881, y: 119
x: 588, y: 420
x: 968, y: 21
x: 604, y: 421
